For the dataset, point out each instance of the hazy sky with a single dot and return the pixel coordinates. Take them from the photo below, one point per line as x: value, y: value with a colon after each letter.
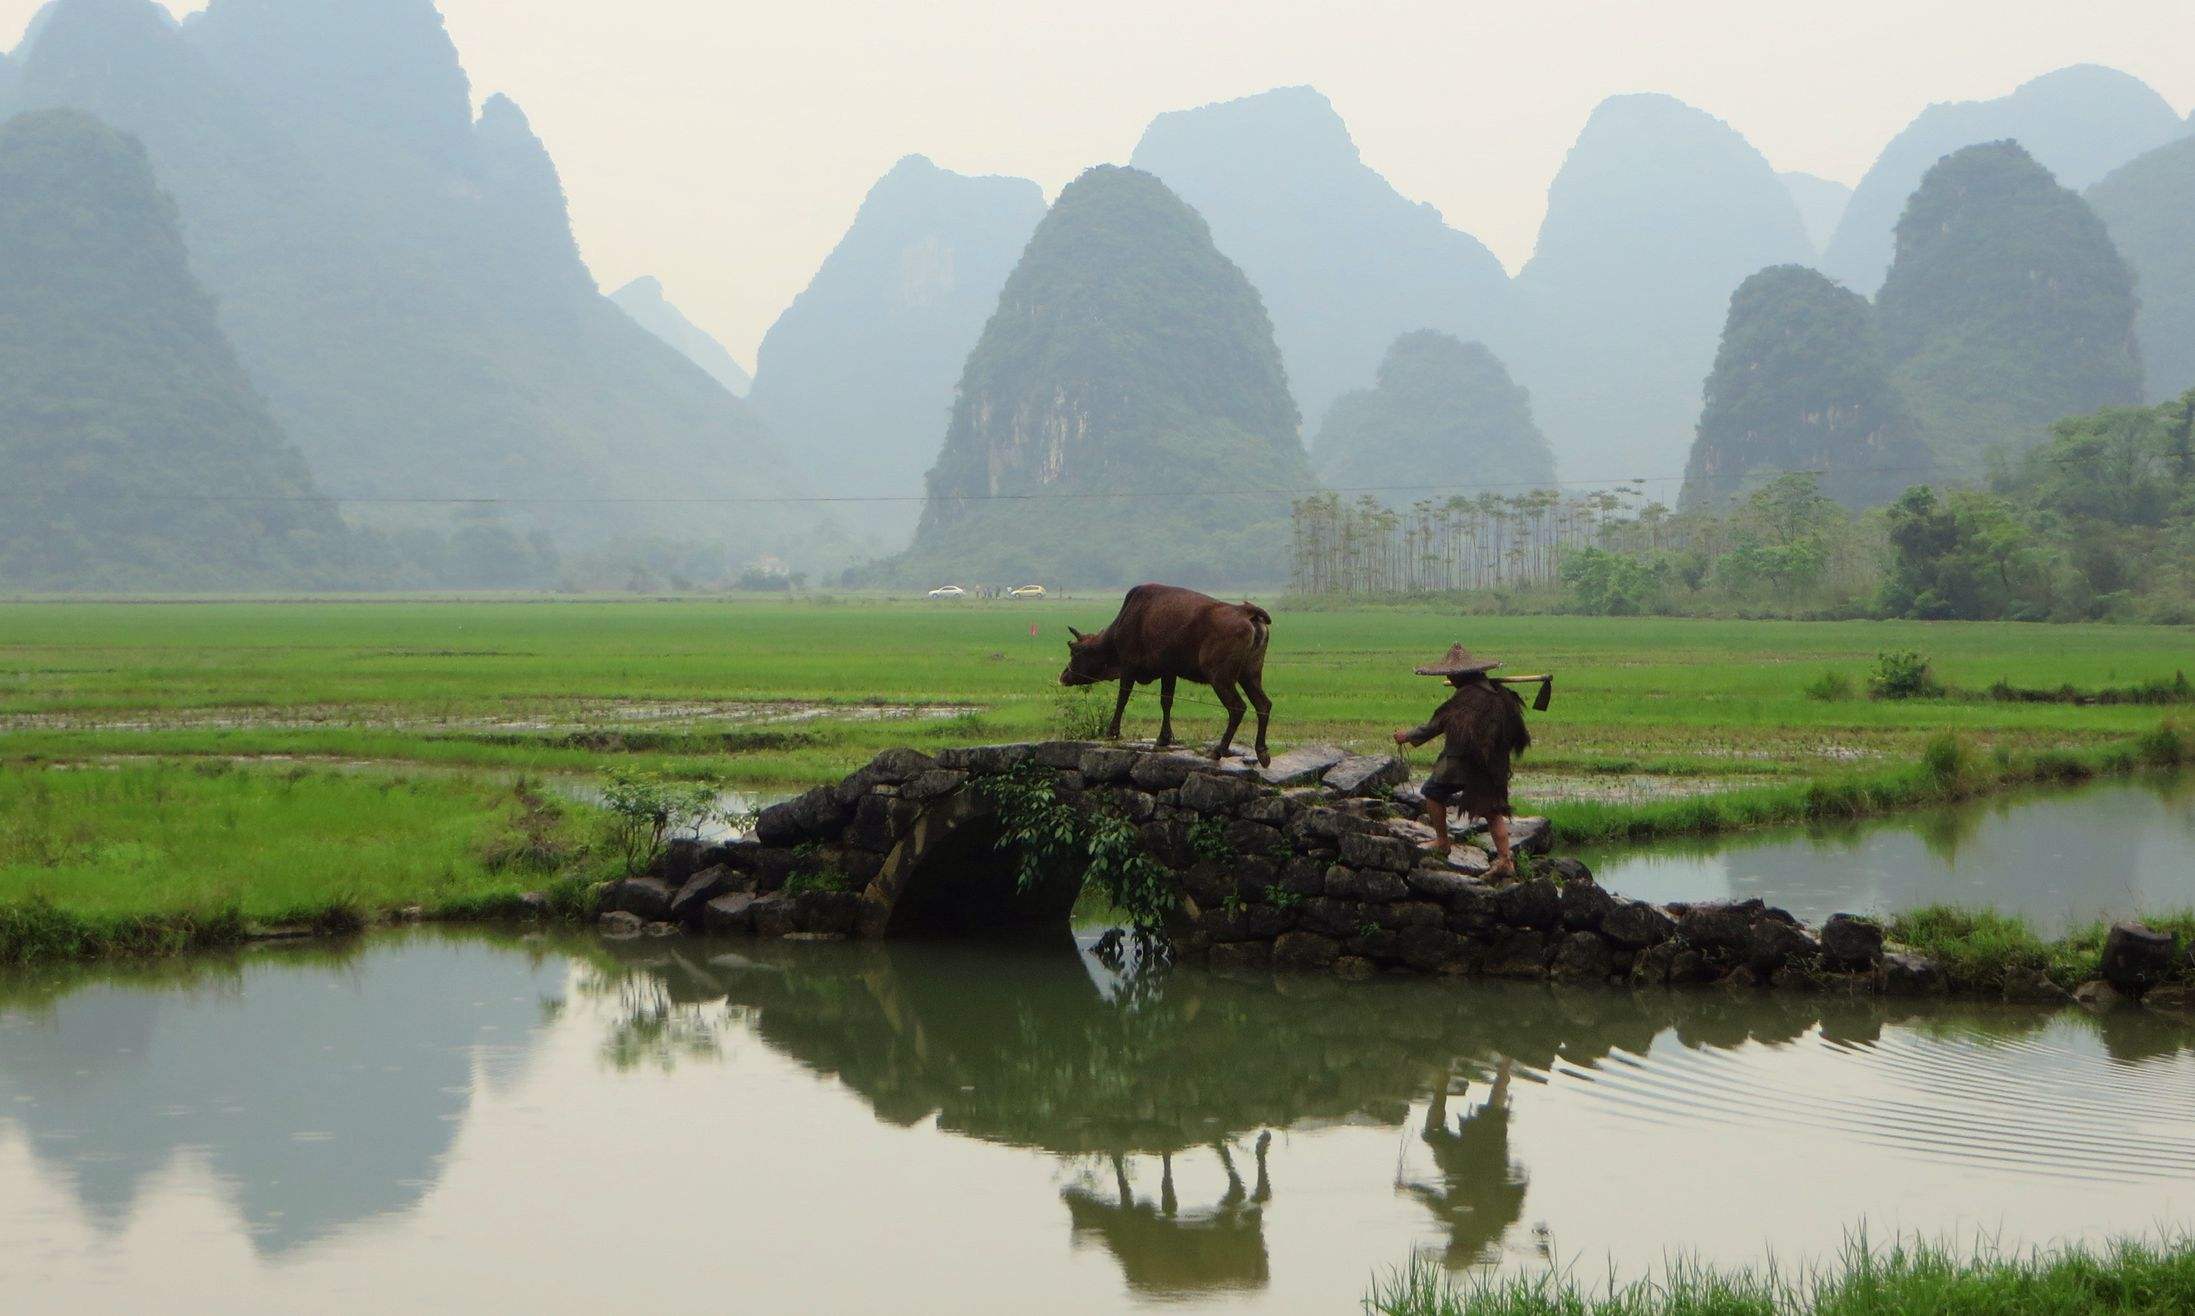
x: 725, y: 147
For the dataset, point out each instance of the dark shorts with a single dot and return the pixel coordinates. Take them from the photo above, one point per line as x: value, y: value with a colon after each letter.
x: 1473, y: 798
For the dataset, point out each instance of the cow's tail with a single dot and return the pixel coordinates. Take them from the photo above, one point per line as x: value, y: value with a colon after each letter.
x: 1261, y: 622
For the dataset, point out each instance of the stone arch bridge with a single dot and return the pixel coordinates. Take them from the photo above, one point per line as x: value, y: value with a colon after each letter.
x: 1309, y: 864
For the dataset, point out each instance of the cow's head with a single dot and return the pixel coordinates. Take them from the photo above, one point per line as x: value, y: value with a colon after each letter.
x: 1089, y: 660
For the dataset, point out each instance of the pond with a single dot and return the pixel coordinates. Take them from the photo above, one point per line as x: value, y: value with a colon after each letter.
x: 2058, y: 858
x: 442, y: 1120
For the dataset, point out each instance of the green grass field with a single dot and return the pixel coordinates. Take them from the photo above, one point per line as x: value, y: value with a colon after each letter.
x: 116, y: 721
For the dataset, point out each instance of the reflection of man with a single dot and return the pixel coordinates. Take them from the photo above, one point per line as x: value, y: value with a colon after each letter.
x: 1481, y: 1192
x: 1162, y: 1250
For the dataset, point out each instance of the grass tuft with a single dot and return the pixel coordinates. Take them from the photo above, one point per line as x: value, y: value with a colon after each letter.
x: 2125, y: 1278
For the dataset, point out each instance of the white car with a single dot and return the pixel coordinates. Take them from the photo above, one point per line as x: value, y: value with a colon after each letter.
x: 1026, y: 592
x: 948, y: 592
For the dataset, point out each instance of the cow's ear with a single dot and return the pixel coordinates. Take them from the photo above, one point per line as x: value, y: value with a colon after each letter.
x: 1077, y: 634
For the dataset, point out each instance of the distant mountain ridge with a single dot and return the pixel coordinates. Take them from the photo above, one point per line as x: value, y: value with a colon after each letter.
x: 1443, y: 417
x: 1344, y: 262
x: 643, y: 300
x: 2079, y: 122
x: 399, y: 277
x: 856, y: 376
x: 1659, y: 211
x: 2146, y: 204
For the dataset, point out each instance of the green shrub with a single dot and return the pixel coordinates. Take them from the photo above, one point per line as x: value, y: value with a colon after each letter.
x: 1947, y: 757
x: 1903, y: 674
x: 816, y: 879
x: 1208, y: 840
x: 646, y: 810
x: 1830, y: 688
x: 2163, y: 746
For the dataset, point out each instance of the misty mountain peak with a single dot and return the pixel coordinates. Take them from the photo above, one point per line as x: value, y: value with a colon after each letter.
x: 643, y: 299
x: 69, y: 30
x: 2079, y: 122
x: 384, y: 68
x: 1344, y: 262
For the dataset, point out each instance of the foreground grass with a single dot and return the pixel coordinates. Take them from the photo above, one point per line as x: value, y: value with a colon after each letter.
x: 2134, y: 1278
x: 1980, y: 949
x: 158, y: 858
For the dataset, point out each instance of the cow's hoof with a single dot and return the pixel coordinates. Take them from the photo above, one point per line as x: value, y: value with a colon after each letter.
x: 1265, y: 760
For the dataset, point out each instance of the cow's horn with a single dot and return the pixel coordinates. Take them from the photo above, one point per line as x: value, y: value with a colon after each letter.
x: 1077, y: 634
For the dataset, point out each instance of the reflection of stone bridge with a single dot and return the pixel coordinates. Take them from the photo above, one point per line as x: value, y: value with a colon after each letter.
x: 1035, y: 1047
x: 1307, y: 864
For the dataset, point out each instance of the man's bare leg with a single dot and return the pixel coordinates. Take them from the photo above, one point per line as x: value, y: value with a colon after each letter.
x: 1504, y: 863
x: 1436, y: 813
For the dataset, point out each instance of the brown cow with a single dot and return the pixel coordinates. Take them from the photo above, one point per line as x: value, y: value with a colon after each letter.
x: 1165, y: 633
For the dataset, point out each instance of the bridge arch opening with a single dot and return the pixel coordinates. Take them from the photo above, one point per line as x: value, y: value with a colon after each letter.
x: 959, y: 880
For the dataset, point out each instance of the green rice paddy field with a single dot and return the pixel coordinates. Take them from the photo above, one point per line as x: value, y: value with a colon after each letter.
x: 167, y: 755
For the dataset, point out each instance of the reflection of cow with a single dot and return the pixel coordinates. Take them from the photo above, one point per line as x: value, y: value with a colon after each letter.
x: 1161, y: 1250
x: 1481, y: 1191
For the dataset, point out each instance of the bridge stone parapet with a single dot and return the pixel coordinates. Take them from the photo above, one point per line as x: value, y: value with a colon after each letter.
x: 1307, y: 864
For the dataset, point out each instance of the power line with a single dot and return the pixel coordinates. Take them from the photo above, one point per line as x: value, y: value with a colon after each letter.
x: 1126, y: 495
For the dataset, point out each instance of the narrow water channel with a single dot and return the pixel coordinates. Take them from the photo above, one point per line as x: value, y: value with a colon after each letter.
x: 2058, y: 858
x: 434, y: 1120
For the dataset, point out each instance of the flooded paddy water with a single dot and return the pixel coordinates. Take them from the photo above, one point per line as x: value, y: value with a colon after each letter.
x: 2057, y: 858
x: 443, y: 1120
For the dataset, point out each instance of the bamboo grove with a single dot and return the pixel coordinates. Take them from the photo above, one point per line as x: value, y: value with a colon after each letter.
x: 1491, y: 541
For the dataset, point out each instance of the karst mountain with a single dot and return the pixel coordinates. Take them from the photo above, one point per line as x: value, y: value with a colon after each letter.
x: 1659, y: 211
x: 1802, y: 383
x: 856, y: 376
x: 645, y: 301
x: 1125, y: 415
x: 2007, y: 308
x: 134, y: 453
x: 398, y: 275
x: 1344, y: 262
x: 1442, y: 419
x: 2080, y: 123
x: 2146, y: 204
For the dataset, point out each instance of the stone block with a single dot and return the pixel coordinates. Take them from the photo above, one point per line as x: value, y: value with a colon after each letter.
x: 1445, y: 885
x: 1272, y: 810
x: 1354, y: 967
x: 1582, y: 957
x: 619, y: 924
x: 1912, y: 975
x: 1209, y: 792
x: 1536, y: 903
x: 1364, y: 774
x: 1245, y: 923
x: 1517, y: 953
x: 1335, y: 918
x: 1104, y: 764
x: 1240, y: 955
x: 1250, y: 838
x: 1851, y: 942
x: 1064, y: 755
x: 814, y: 816
x: 982, y: 760
x: 1365, y: 850
x: 1301, y: 766
x: 1305, y: 950
x: 1428, y: 948
x: 730, y: 915
x: 931, y: 784
x: 1771, y: 945
x: 2137, y: 958
x: 771, y: 916
x: 649, y: 898
x: 1635, y: 925
x: 697, y: 891
x: 1361, y: 884
x: 1303, y: 876
x: 1532, y: 836
x: 1724, y: 928
x: 1585, y: 903
x: 1399, y: 914
x: 1129, y: 803
x: 826, y: 911
x: 1165, y: 770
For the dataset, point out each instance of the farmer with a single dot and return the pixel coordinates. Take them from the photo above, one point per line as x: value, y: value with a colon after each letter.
x: 1483, y: 726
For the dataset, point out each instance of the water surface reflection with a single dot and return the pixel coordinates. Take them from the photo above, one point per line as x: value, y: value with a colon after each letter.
x: 445, y: 1120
